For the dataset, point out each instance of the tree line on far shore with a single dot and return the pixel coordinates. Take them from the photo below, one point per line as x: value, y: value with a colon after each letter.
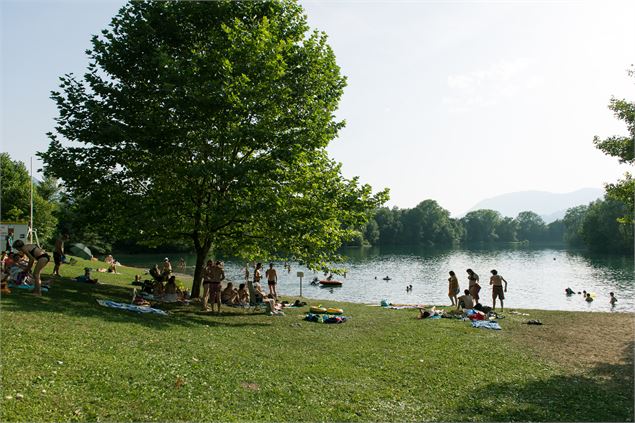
x: 595, y: 226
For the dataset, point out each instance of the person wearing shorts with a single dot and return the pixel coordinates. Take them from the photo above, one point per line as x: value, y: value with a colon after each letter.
x: 58, y: 253
x: 213, y: 274
x: 497, y: 288
x: 272, y: 280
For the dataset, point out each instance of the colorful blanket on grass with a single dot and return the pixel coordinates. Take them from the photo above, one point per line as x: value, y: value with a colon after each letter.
x: 486, y: 324
x: 131, y: 307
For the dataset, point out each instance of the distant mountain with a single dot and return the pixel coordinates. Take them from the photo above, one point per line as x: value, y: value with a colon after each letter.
x: 549, y: 205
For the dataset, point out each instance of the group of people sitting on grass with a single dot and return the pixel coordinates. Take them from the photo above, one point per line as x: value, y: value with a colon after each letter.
x: 167, y: 292
x: 471, y: 296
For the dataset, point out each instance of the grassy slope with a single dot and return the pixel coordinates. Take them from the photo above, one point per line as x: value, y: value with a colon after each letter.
x: 74, y: 360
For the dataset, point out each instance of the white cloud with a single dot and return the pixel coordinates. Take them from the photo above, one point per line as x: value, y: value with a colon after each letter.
x: 489, y: 86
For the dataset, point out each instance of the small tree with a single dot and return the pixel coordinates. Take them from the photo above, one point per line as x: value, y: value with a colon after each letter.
x: 208, y: 121
x: 16, y: 198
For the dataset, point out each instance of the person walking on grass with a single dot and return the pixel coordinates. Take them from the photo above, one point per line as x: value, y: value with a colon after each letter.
x: 453, y: 288
x: 497, y: 288
x: 272, y: 280
x: 36, y: 256
x: 58, y: 253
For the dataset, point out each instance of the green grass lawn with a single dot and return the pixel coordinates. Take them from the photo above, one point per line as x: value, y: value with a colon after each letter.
x: 70, y: 359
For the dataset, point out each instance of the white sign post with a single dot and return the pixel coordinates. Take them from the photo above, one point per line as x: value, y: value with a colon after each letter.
x: 300, y: 275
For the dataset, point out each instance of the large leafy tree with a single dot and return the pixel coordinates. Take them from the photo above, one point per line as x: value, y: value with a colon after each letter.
x: 530, y: 226
x: 573, y: 221
x: 429, y: 224
x: 481, y: 225
x: 601, y: 230
x: 208, y: 121
x: 622, y: 147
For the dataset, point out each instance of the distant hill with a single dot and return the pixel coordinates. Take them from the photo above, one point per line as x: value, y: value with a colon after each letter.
x: 549, y: 205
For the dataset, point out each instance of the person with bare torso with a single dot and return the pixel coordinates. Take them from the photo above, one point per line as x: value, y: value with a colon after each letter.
x: 497, y: 288
x: 272, y: 280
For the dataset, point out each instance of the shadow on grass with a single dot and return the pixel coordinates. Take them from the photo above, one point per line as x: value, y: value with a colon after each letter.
x: 604, y: 393
x: 79, y: 299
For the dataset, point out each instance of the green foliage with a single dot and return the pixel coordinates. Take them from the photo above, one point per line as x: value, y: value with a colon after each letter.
x: 573, y: 222
x: 597, y: 227
x: 16, y: 196
x: 480, y: 225
x: 530, y: 226
x: 622, y: 147
x: 429, y: 224
x: 556, y: 230
x: 208, y: 122
x: 507, y: 229
x: 601, y: 229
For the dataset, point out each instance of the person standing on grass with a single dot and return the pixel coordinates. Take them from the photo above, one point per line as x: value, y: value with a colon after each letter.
x: 453, y: 287
x: 473, y: 284
x: 272, y: 280
x: 58, y: 253
x: 207, y: 280
x: 497, y: 288
x: 167, y: 269
x: 216, y: 277
x: 36, y: 255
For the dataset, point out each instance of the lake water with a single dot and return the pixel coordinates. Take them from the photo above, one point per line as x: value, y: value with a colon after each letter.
x: 537, y: 277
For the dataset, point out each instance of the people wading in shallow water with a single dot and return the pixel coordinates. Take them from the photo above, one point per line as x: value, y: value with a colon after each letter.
x: 36, y: 256
x: 497, y: 288
x: 473, y: 285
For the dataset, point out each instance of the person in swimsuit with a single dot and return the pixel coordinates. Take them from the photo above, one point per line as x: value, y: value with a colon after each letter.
x: 473, y: 285
x: 272, y: 280
x: 453, y: 287
x: 36, y: 255
x: 167, y: 269
x: 497, y: 288
x: 58, y: 252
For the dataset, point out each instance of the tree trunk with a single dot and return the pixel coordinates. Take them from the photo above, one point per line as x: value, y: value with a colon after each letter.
x: 201, y: 255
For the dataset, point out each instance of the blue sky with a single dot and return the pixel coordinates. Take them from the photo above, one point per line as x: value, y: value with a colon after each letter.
x: 454, y: 101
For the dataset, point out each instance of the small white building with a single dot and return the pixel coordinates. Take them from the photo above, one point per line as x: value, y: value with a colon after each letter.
x: 15, y: 230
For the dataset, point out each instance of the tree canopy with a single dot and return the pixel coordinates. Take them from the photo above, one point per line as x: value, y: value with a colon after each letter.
x: 208, y: 121
x: 622, y: 147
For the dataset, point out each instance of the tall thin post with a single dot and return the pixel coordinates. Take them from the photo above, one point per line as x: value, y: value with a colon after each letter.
x: 31, y: 220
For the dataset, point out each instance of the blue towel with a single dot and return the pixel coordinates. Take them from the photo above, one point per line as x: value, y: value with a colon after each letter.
x: 485, y: 324
x: 131, y: 307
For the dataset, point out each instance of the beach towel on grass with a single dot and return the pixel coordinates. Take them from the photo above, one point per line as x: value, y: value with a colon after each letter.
x: 29, y: 287
x: 486, y: 324
x: 131, y: 307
